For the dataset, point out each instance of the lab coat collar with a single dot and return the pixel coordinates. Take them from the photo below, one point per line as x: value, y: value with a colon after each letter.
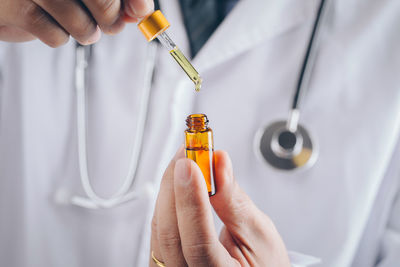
x: 240, y: 31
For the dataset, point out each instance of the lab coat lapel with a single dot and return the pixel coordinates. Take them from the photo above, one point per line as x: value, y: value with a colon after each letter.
x: 249, y: 23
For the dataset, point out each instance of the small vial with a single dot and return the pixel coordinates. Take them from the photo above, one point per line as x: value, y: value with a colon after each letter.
x: 199, y: 147
x: 155, y: 26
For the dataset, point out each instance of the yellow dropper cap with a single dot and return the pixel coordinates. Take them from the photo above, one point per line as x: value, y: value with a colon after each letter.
x: 153, y: 25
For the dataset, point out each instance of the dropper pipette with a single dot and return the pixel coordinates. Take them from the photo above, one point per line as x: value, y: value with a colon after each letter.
x: 155, y: 26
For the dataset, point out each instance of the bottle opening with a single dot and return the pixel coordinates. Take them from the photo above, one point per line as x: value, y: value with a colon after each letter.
x: 197, y: 122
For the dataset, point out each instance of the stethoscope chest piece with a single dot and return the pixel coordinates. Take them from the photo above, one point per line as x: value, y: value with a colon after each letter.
x: 287, y: 145
x: 284, y: 149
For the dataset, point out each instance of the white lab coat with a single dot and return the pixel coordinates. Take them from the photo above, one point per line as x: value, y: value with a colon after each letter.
x: 345, y: 210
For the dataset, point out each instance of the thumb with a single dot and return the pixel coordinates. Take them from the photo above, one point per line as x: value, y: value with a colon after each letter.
x: 136, y: 9
x: 231, y: 203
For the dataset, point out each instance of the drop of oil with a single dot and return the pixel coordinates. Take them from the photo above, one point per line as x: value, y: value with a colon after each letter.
x: 198, y: 84
x: 198, y: 87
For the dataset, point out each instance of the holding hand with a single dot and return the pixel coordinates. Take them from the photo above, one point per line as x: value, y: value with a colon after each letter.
x: 183, y: 232
x: 53, y: 21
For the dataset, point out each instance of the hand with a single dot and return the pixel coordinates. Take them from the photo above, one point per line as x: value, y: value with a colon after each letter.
x: 53, y: 21
x: 183, y: 232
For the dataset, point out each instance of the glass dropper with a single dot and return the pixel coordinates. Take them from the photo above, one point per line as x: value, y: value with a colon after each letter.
x: 154, y: 26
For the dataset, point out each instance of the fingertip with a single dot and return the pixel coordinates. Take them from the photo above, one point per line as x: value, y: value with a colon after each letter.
x: 188, y: 178
x: 223, y: 160
x: 94, y: 38
x: 183, y: 171
x: 129, y: 19
x: 223, y: 170
x: 139, y: 8
x: 191, y: 196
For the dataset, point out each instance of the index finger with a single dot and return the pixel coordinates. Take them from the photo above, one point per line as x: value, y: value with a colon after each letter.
x: 107, y: 14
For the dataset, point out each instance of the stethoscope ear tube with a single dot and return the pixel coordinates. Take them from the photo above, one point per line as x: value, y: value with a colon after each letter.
x: 92, y: 200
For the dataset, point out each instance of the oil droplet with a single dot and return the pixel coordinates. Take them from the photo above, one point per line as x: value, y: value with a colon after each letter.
x: 198, y: 84
x: 187, y: 67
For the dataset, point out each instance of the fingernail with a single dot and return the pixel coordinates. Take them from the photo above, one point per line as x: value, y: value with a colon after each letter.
x: 182, y: 172
x: 140, y: 9
x: 95, y: 36
x: 129, y: 19
x: 149, y: 6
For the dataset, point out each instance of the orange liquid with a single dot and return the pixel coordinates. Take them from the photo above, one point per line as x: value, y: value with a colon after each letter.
x: 205, y: 160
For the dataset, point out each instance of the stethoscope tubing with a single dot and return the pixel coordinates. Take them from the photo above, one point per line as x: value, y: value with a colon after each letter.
x: 309, y: 58
x: 92, y: 199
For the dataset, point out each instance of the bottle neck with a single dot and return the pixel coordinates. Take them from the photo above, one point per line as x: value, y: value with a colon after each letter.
x: 197, y: 122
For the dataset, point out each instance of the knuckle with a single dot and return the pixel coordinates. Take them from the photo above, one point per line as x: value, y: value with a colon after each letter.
x: 33, y: 15
x: 168, y: 240
x: 36, y: 20
x: 109, y: 10
x: 241, y: 206
x: 83, y: 30
x: 57, y: 40
x: 198, y: 251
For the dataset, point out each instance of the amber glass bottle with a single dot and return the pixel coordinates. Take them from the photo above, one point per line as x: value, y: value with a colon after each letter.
x: 199, y: 147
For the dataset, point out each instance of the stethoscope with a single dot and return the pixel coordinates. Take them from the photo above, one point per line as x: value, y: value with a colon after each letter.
x: 285, y: 145
x: 92, y: 200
